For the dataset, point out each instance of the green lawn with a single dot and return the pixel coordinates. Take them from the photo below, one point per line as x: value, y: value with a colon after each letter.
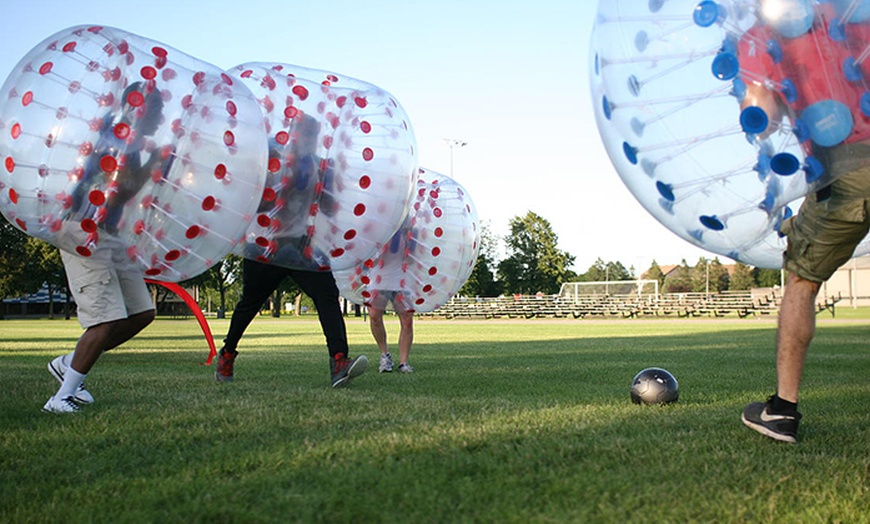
x: 503, y: 421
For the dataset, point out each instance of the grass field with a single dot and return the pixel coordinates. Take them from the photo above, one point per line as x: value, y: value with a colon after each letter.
x: 503, y: 421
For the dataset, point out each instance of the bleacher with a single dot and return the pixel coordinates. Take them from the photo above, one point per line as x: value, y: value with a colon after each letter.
x: 598, y: 305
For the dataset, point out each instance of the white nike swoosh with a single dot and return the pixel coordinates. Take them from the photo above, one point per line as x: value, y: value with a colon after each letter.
x: 767, y: 417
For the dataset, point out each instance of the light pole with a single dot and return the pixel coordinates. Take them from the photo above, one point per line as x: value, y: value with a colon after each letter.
x: 708, y: 278
x: 452, y: 143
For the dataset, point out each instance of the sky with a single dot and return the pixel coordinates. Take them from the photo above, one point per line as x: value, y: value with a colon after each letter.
x: 509, y: 78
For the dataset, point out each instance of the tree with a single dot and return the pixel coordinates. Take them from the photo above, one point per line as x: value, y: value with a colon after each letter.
x: 601, y: 271
x: 219, y: 278
x: 534, y: 263
x: 655, y: 273
x: 709, y: 276
x: 680, y: 279
x: 13, y: 259
x: 742, y: 278
x: 767, y: 277
x: 482, y: 282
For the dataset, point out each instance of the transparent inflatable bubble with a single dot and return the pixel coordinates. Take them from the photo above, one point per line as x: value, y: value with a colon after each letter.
x: 428, y: 259
x: 342, y: 162
x: 113, y: 143
x: 718, y: 115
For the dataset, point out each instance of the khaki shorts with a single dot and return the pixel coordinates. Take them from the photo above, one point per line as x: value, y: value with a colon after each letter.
x: 103, y: 292
x: 825, y: 232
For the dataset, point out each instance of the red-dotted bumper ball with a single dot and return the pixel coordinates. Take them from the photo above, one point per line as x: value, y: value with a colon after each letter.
x: 428, y: 259
x: 342, y: 164
x: 112, y: 143
x: 719, y: 115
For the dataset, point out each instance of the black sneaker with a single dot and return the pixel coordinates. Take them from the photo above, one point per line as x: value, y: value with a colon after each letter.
x: 778, y: 426
x: 224, y: 371
x: 346, y: 369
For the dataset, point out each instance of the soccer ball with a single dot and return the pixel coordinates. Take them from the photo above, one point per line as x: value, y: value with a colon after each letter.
x: 654, y: 386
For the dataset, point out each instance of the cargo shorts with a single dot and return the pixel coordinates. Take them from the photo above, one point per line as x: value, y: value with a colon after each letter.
x: 831, y: 223
x: 103, y: 291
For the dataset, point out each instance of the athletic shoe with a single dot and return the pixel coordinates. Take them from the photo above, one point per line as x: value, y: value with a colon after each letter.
x: 386, y: 363
x: 58, y: 369
x: 778, y: 426
x: 346, y: 369
x: 62, y: 405
x: 405, y: 368
x: 224, y: 371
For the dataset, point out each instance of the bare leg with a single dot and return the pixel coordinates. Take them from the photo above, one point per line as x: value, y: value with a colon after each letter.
x: 103, y: 337
x: 379, y: 332
x: 797, y: 326
x: 406, y: 335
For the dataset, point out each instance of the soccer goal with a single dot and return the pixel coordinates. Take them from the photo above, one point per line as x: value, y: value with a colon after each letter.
x: 635, y: 288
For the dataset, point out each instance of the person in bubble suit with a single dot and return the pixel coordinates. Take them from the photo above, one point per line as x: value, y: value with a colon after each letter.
x: 260, y: 280
x: 406, y: 338
x: 392, y: 258
x: 791, y: 65
x: 112, y: 299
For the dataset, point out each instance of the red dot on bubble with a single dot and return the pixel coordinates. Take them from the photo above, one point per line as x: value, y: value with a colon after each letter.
x: 308, y: 252
x: 220, y: 171
x: 97, y: 197
x: 262, y: 241
x: 350, y: 234
x: 83, y: 251
x: 337, y: 252
x: 359, y: 210
x: 420, y: 301
x: 438, y: 232
x: 269, y: 195
x: 22, y: 224
x: 300, y: 91
x: 437, y: 212
x: 365, y: 280
x: 88, y: 225
x: 16, y: 130
x: 173, y: 255
x: 159, y: 51
x: 45, y: 68
x: 13, y: 196
x: 10, y: 164
x: 153, y: 272
x: 193, y: 232
x: 208, y: 203
x: 264, y: 220
x: 122, y: 131
x: 360, y: 101
x: 427, y: 288
x: 368, y: 154
x: 433, y: 270
x: 231, y: 108
x: 229, y: 138
x: 69, y: 47
x: 274, y: 165
x: 365, y: 181
x: 139, y: 227
x: 148, y: 73
x: 135, y: 99
x: 282, y: 137
x: 108, y: 164
x: 27, y: 98
x: 436, y: 251
x: 290, y: 112
x: 365, y: 127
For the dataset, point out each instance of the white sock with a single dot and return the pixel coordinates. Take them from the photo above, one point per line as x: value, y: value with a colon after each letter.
x: 66, y: 360
x: 72, y: 379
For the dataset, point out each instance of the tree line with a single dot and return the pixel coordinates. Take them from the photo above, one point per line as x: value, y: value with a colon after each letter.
x: 533, y: 263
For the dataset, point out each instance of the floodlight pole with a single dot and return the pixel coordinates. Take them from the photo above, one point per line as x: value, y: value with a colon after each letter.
x: 452, y: 143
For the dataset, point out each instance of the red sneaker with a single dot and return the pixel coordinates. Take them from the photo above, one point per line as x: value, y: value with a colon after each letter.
x: 224, y: 371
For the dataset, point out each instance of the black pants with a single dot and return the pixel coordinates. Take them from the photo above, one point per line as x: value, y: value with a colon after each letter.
x: 260, y: 280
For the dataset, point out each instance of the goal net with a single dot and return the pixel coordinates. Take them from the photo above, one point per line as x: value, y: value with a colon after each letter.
x: 634, y: 288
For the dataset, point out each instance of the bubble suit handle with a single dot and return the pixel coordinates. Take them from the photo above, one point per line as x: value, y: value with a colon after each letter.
x: 113, y: 143
x: 342, y: 164
x: 428, y: 259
